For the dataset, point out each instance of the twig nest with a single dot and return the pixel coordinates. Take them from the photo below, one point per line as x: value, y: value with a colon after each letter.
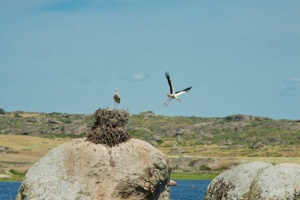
x: 110, y: 127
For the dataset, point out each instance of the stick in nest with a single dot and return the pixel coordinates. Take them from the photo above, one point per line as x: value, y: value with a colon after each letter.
x: 110, y: 128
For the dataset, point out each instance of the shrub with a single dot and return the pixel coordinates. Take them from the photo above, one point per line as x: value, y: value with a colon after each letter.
x: 67, y: 121
x: 17, y: 114
x: 192, y: 163
x: 204, y: 168
x: 2, y: 112
x: 160, y: 141
x: 15, y: 172
x: 229, y: 118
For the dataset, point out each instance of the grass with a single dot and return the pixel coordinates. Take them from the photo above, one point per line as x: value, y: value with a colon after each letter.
x: 24, y: 151
x: 188, y: 176
x: 13, y: 176
x: 27, y: 150
x: 184, y: 176
x: 215, y: 150
x: 223, y: 139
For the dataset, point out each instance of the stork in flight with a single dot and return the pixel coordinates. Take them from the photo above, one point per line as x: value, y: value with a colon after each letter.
x: 117, y: 98
x: 173, y: 95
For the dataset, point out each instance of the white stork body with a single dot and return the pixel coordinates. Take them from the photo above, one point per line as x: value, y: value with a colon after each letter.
x: 172, y: 94
x: 117, y: 99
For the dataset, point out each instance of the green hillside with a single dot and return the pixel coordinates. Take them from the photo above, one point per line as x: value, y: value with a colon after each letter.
x: 193, y: 144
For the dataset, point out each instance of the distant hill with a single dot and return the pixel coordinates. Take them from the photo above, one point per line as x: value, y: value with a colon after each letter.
x: 161, y: 130
x: 194, y: 144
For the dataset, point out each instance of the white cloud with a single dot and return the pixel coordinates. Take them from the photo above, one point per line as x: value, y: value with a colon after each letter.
x: 138, y: 77
x: 293, y: 80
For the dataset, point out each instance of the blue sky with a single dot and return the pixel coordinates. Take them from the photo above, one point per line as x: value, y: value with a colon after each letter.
x: 241, y: 57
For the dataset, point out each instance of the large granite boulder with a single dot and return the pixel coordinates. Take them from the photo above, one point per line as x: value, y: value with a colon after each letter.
x: 257, y: 180
x: 80, y: 169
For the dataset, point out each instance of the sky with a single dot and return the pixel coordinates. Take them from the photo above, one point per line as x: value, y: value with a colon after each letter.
x: 68, y: 56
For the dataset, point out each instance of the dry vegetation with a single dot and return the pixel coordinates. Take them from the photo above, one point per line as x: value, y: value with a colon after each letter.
x: 214, y: 150
x: 23, y: 151
x: 192, y: 143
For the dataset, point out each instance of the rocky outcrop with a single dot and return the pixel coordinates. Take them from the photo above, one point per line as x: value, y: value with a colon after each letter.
x: 108, y: 165
x: 257, y: 180
x: 80, y: 169
x: 193, y: 164
x: 239, y: 117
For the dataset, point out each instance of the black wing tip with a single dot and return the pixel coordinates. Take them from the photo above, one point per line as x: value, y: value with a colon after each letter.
x: 167, y: 74
x: 187, y: 89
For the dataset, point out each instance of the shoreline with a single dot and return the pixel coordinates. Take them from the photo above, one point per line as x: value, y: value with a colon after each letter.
x: 176, y: 176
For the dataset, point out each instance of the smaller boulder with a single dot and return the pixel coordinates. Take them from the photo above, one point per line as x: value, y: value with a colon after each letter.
x: 50, y: 121
x: 257, y: 180
x: 257, y: 145
x: 172, y: 183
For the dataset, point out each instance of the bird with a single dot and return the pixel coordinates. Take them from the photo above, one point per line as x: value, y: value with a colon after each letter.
x: 117, y: 98
x: 173, y: 95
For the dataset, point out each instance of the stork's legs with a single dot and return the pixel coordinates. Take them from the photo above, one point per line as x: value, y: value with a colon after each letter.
x: 167, y: 102
x: 116, y: 106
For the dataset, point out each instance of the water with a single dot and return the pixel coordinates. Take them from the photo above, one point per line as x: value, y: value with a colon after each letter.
x: 185, y: 190
x: 189, y: 189
x: 9, y: 190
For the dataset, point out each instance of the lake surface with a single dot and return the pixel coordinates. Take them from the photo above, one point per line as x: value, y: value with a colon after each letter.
x: 186, y: 190
x: 9, y: 190
x: 189, y: 189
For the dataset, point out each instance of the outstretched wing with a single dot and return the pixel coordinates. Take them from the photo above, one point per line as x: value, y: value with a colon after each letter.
x: 169, y: 82
x: 183, y: 91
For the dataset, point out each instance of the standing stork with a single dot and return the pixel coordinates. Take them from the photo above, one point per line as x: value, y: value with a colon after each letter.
x: 117, y: 99
x: 173, y: 95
